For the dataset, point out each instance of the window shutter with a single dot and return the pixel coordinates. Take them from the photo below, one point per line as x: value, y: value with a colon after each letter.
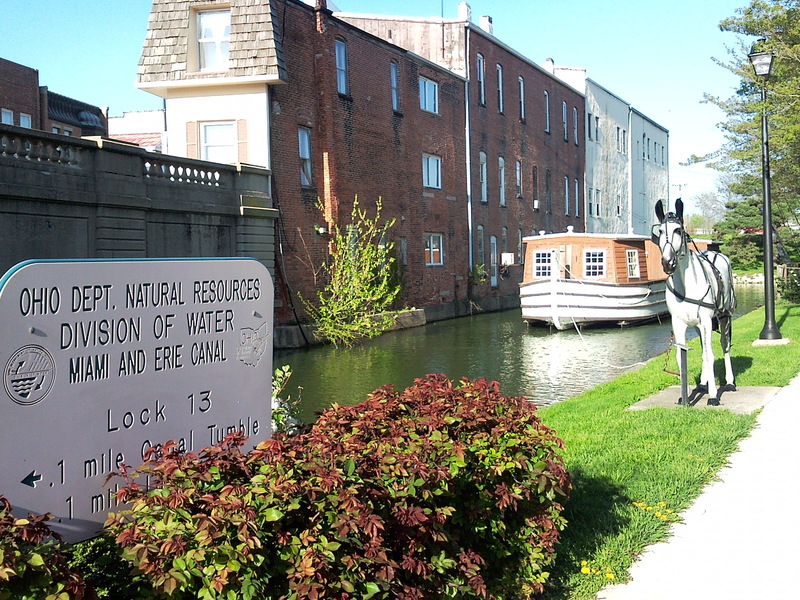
x: 191, y: 140
x: 241, y: 137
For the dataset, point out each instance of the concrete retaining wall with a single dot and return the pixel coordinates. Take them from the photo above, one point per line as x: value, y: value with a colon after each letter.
x: 65, y: 198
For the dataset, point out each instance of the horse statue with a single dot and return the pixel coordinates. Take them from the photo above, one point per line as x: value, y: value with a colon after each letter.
x: 699, y: 294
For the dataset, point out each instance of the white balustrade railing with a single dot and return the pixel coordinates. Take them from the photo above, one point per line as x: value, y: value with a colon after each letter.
x: 172, y: 170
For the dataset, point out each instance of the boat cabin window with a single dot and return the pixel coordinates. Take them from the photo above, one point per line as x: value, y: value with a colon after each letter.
x: 633, y: 263
x: 542, y: 264
x: 594, y: 263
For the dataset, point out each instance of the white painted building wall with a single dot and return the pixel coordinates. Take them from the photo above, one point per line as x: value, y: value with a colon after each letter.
x: 233, y: 103
x: 650, y: 170
x: 622, y: 182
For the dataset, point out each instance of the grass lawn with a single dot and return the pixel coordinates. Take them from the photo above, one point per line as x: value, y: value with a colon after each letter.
x: 633, y: 472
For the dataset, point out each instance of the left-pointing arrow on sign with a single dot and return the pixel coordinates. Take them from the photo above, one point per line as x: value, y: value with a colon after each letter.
x: 32, y: 479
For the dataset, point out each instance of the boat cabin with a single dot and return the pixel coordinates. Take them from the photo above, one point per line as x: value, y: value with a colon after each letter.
x: 611, y: 258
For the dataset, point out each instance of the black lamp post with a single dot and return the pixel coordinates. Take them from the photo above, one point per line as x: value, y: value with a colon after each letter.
x: 762, y: 64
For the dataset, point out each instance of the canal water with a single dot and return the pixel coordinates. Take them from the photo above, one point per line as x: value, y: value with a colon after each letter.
x: 527, y: 361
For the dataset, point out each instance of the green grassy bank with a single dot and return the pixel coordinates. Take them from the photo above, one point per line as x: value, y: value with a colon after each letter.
x: 635, y: 471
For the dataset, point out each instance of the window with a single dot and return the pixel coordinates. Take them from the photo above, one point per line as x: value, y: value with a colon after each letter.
x: 67, y: 132
x: 403, y: 251
x: 433, y: 249
x: 504, y: 240
x: 566, y: 195
x: 213, y: 39
x: 619, y: 205
x: 501, y: 174
x: 575, y: 124
x: 481, y: 67
x: 394, y: 75
x: 7, y: 117
x: 542, y: 266
x: 431, y: 171
x: 518, y: 178
x: 428, y: 95
x: 341, y: 67
x: 55, y: 130
x: 218, y: 142
x: 594, y: 263
x: 351, y: 231
x: 304, y: 137
x: 547, y: 111
x: 535, y: 188
x: 577, y: 199
x: 521, y: 99
x: 548, y: 198
x: 480, y: 247
x: 520, y: 254
x: 589, y: 122
x: 25, y: 120
x: 619, y: 139
x: 633, y: 263
x: 597, y: 128
x: 564, y: 120
x: 589, y: 200
x: 482, y: 176
x: 597, y: 197
x: 500, y: 88
x: 624, y: 142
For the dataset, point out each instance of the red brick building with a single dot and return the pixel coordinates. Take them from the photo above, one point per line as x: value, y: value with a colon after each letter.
x: 24, y: 103
x: 339, y: 109
x: 336, y: 114
x: 525, y: 135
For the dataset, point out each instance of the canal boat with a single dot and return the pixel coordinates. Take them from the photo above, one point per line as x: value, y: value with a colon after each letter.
x: 578, y: 279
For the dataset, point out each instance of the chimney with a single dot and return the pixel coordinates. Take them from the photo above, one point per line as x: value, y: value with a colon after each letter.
x: 550, y: 65
x: 465, y: 12
x: 486, y: 24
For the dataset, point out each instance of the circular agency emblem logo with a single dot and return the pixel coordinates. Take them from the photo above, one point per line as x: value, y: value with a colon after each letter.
x: 29, y: 375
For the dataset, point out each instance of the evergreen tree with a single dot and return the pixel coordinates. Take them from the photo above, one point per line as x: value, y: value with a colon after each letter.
x: 774, y: 26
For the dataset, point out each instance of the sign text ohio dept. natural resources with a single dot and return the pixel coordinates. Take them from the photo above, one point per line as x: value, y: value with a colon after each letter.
x: 103, y: 359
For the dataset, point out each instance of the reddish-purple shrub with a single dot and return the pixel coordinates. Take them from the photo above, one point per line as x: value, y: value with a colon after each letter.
x: 443, y: 489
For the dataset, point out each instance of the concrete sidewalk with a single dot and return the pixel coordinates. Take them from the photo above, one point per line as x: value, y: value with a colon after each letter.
x: 740, y: 540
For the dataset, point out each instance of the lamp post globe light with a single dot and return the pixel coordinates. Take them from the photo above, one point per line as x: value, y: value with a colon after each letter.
x: 762, y: 65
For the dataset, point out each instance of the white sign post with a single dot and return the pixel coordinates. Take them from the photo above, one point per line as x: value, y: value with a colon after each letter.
x: 103, y: 359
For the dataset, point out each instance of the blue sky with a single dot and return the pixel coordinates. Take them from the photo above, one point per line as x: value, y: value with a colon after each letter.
x: 655, y: 55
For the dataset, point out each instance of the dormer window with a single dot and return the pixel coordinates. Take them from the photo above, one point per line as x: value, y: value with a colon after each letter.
x: 213, y: 40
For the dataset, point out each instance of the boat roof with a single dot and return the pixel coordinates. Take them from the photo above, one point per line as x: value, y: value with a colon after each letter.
x: 584, y: 236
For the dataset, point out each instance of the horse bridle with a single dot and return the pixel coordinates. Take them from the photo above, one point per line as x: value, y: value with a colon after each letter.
x: 656, y: 236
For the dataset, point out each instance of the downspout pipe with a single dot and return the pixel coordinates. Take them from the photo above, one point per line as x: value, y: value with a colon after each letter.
x: 468, y: 141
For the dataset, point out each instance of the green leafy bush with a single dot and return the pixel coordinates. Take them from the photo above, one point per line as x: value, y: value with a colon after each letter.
x: 361, y: 280
x: 789, y: 284
x: 32, y: 565
x: 442, y: 490
x: 106, y: 574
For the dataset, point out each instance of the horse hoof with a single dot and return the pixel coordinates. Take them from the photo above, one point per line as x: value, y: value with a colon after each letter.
x: 713, y: 402
x: 729, y: 387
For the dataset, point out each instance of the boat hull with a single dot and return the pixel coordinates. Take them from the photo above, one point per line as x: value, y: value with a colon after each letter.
x: 565, y: 303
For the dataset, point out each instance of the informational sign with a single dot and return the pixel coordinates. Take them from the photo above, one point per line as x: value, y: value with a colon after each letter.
x: 103, y: 359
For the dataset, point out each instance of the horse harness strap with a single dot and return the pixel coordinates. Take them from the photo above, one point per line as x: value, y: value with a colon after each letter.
x: 683, y: 298
x: 718, y: 306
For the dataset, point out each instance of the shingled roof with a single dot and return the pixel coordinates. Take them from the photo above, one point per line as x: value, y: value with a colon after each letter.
x: 256, y: 48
